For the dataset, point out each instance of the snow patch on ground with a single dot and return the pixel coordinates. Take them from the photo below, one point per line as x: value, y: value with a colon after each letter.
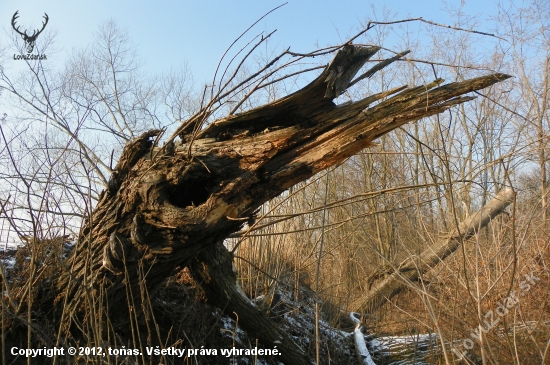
x: 404, y: 350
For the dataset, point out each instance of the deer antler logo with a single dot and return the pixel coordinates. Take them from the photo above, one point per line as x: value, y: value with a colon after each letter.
x: 29, y: 39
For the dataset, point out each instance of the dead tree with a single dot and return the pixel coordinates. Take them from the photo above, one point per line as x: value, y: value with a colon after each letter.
x: 172, y: 206
x: 413, y: 267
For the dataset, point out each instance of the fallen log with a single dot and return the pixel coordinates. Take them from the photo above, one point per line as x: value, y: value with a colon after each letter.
x: 415, y: 266
x: 169, y: 207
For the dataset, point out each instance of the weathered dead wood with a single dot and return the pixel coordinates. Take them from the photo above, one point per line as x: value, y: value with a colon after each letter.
x: 417, y: 265
x: 165, y: 205
x: 214, y: 271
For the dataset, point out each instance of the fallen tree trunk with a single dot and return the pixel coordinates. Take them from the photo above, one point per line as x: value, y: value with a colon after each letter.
x: 417, y: 265
x: 166, y: 207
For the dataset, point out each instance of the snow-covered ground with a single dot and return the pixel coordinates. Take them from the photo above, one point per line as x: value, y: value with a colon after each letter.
x: 299, y: 321
x: 404, y: 350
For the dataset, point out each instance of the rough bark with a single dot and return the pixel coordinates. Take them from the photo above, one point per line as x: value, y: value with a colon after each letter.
x: 417, y: 265
x: 164, y: 205
x: 213, y: 269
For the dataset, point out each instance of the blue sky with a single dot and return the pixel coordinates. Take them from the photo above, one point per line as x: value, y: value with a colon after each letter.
x: 168, y: 33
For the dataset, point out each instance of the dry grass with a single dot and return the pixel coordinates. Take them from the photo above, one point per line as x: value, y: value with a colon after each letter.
x: 493, y: 263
